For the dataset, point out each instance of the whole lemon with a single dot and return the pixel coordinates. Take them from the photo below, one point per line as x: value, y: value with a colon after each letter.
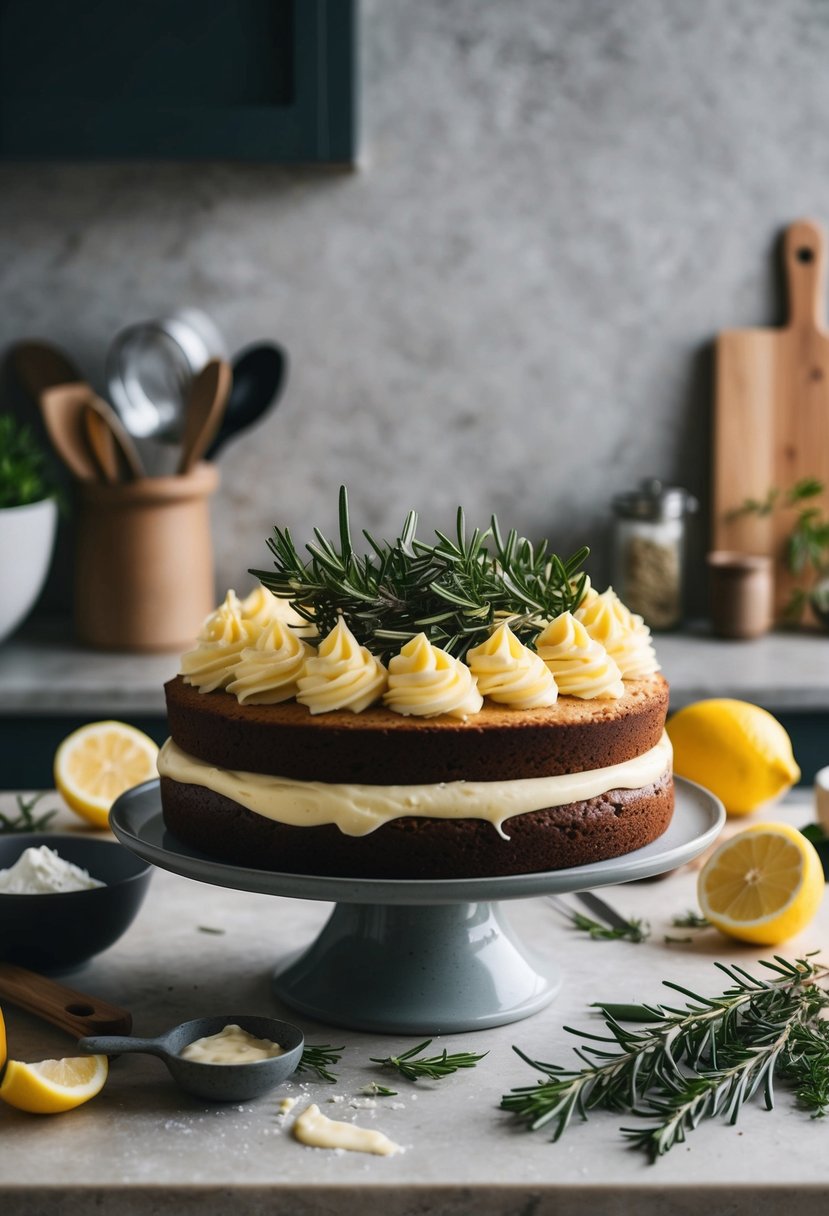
x: 735, y: 749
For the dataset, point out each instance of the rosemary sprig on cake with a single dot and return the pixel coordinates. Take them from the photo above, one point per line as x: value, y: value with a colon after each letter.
x: 700, y: 1061
x: 454, y: 590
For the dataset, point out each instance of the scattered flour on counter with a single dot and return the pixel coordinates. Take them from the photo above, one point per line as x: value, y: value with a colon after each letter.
x: 41, y: 871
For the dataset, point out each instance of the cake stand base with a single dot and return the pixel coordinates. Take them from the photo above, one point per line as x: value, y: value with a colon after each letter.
x: 418, y: 956
x: 417, y: 970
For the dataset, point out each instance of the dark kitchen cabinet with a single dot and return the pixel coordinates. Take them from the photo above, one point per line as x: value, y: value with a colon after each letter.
x: 248, y: 80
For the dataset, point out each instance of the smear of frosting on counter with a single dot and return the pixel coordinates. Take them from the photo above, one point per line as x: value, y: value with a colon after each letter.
x: 317, y: 1131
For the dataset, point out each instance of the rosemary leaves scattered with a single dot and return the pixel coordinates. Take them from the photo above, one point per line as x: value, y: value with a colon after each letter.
x: 633, y: 931
x: 318, y: 1059
x: 428, y: 1066
x: 453, y: 590
x: 700, y: 1061
x: 26, y: 820
x: 690, y: 920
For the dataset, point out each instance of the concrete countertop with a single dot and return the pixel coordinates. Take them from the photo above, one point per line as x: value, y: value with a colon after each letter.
x: 143, y: 1147
x: 43, y: 672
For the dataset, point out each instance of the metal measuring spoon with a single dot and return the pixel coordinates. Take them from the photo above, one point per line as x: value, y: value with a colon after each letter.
x: 214, y: 1082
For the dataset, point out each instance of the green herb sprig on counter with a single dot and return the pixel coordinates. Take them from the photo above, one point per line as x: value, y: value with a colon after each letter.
x: 700, y: 1061
x: 434, y: 1067
x: 691, y: 920
x: 453, y: 590
x: 635, y: 930
x: 26, y: 820
x: 317, y: 1059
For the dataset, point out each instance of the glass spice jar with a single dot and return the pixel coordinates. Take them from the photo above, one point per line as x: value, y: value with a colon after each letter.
x: 649, y: 550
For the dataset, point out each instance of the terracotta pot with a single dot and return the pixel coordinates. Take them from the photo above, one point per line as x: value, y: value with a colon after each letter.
x: 144, y: 568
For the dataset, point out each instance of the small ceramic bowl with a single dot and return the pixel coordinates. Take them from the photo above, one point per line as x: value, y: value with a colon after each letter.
x: 55, y: 933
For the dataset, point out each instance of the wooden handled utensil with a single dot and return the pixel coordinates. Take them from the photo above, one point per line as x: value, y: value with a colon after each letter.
x: 39, y: 365
x: 101, y: 444
x: 65, y: 1008
x: 205, y: 411
x: 119, y: 440
x: 771, y: 413
x: 62, y: 409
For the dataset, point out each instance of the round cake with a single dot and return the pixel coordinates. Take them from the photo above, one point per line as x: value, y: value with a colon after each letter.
x: 424, y: 712
x: 223, y: 755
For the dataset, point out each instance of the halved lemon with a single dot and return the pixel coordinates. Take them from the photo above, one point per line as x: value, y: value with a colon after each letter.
x: 763, y: 885
x: 2, y: 1042
x: 98, y: 762
x: 52, y: 1086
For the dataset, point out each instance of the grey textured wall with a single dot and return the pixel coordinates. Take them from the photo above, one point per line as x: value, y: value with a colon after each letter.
x: 510, y: 303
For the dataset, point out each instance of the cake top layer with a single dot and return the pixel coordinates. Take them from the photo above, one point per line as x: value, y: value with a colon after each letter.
x: 426, y: 630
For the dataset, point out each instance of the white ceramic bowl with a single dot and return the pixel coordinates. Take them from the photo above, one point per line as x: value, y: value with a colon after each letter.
x: 27, y: 535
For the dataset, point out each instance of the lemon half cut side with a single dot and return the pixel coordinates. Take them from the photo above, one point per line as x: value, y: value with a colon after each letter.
x: 53, y: 1086
x: 763, y: 885
x: 98, y: 762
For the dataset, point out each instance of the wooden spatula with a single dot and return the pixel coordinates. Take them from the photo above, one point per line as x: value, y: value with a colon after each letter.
x: 205, y: 411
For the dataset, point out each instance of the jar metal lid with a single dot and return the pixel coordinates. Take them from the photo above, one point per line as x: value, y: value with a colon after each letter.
x: 655, y: 501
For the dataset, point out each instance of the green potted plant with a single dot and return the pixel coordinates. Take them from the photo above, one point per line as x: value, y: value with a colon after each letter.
x: 28, y: 515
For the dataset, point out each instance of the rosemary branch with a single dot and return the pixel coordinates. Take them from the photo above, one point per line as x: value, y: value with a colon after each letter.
x: 453, y: 590
x: 26, y: 821
x: 317, y: 1059
x: 428, y: 1066
x: 692, y: 1063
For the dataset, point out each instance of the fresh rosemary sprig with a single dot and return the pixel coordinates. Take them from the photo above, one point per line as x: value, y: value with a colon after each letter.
x: 26, y: 821
x: 702, y: 1060
x: 428, y: 1066
x: 691, y: 920
x: 454, y: 590
x: 634, y: 930
x: 317, y: 1059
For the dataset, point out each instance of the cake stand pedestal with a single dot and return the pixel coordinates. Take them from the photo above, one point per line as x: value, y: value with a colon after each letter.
x: 418, y: 956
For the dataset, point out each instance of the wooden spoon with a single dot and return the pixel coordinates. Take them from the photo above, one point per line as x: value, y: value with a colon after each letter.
x: 101, y: 444
x: 39, y: 366
x: 62, y: 409
x: 205, y: 410
x: 75, y: 1012
x: 120, y: 440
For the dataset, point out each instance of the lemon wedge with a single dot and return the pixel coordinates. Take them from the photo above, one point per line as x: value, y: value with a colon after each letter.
x: 98, y: 762
x: 735, y: 749
x: 53, y: 1086
x: 763, y: 885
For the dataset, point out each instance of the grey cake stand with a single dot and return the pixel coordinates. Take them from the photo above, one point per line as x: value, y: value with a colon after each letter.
x: 417, y: 956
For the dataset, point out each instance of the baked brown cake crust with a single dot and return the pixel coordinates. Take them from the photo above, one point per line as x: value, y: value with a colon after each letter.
x: 378, y: 747
x: 557, y: 838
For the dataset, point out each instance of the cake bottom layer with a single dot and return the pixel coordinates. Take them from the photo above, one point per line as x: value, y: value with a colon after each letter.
x: 557, y: 838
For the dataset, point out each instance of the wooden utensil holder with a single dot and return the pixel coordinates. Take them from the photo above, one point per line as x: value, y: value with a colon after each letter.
x: 144, y: 564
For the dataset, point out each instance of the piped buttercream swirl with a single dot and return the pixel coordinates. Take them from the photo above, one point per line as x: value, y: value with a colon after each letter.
x: 263, y: 607
x: 509, y: 673
x: 425, y: 681
x: 581, y: 666
x: 223, y: 637
x: 341, y: 675
x: 624, y: 635
x: 269, y: 671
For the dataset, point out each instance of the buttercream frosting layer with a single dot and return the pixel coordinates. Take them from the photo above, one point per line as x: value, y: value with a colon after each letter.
x: 358, y: 809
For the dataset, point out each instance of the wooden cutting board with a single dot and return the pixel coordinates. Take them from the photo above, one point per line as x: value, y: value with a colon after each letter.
x: 771, y: 412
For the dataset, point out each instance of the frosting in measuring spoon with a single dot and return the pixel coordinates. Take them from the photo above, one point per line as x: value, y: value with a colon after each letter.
x: 231, y: 1045
x: 318, y: 1131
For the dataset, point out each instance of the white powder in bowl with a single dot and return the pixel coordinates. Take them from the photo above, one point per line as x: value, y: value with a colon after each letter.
x: 42, y: 872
